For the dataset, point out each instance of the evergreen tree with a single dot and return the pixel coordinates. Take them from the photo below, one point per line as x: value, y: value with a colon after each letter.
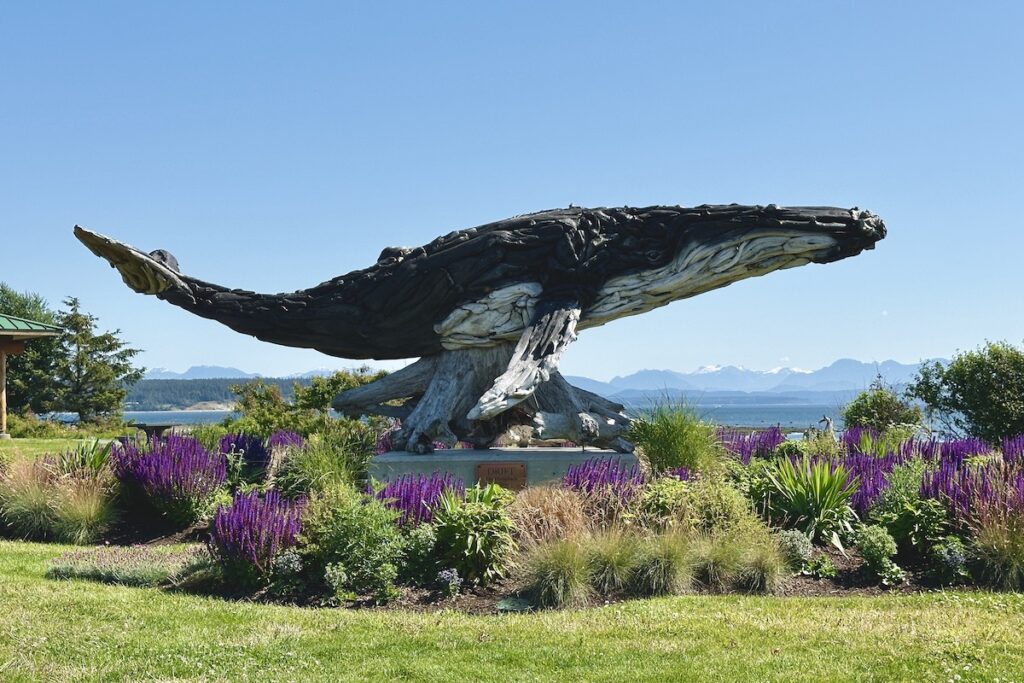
x: 30, y: 374
x: 94, y: 371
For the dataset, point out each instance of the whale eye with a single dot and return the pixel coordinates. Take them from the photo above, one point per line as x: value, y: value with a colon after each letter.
x: 653, y: 255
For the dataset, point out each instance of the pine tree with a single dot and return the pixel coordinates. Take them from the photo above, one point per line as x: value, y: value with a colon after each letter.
x: 94, y: 371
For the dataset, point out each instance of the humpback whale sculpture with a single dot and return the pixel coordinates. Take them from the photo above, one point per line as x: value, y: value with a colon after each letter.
x: 489, y: 310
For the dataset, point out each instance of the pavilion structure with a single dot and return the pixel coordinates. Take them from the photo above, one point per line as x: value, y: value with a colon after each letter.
x: 14, y: 333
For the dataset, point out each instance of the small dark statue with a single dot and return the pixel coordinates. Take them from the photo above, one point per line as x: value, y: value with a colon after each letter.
x: 489, y: 310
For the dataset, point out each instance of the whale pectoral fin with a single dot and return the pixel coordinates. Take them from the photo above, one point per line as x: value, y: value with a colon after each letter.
x: 154, y: 273
x: 535, y: 357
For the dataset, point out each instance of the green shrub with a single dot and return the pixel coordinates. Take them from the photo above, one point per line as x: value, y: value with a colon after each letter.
x: 714, y: 505
x: 948, y: 561
x: 914, y: 523
x: 28, y: 426
x: 998, y: 543
x: 613, y: 557
x: 352, y: 542
x: 665, y: 502
x: 558, y: 574
x: 664, y: 565
x: 877, y: 548
x: 672, y: 436
x: 811, y: 496
x: 795, y: 547
x: 474, y: 535
x: 420, y: 566
x: 820, y: 567
x: 130, y: 565
x: 880, y: 408
x: 209, y: 435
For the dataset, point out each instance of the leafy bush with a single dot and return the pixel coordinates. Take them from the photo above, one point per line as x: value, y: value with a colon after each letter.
x: 915, y: 523
x: 717, y: 506
x: 812, y: 496
x: 135, y: 565
x: 474, y: 535
x: 998, y: 543
x: 880, y: 408
x: 176, y: 476
x: 246, y: 536
x: 664, y: 565
x: 414, y: 496
x: 821, y: 567
x: 795, y: 547
x: 878, y: 548
x: 948, y: 561
x: 978, y: 392
x: 666, y: 502
x: 558, y: 574
x: 547, y: 513
x: 351, y: 543
x: 672, y: 436
x: 613, y: 556
x: 420, y: 564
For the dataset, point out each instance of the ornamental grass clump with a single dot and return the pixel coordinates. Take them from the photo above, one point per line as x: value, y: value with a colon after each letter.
x: 26, y: 498
x: 548, y: 513
x: 613, y: 556
x: 247, y: 535
x: 415, y: 495
x: 664, y: 565
x: 558, y: 574
x: 673, y: 435
x: 175, y: 476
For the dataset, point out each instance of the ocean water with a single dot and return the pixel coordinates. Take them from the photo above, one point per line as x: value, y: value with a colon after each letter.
x: 788, y: 416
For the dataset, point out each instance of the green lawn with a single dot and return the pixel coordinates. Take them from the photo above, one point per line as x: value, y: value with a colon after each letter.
x: 33, y: 447
x: 76, y: 630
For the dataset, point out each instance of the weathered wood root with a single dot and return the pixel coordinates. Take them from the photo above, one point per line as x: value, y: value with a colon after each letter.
x: 438, y: 393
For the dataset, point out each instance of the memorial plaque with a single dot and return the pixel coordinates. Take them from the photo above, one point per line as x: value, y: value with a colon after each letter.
x: 511, y: 475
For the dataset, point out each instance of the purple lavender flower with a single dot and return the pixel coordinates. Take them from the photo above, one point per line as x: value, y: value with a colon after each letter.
x: 247, y: 535
x: 747, y: 445
x: 175, y: 475
x: 285, y: 439
x: 610, y: 473
x: 414, y: 496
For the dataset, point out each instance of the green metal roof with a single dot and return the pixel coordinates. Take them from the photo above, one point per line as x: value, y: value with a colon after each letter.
x: 19, y: 327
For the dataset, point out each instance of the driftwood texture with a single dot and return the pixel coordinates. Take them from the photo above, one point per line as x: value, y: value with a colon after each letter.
x: 490, y: 310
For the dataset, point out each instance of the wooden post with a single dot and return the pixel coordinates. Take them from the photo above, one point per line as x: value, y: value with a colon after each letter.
x: 3, y: 395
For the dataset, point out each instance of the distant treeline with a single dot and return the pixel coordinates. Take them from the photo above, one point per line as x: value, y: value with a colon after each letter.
x: 176, y: 394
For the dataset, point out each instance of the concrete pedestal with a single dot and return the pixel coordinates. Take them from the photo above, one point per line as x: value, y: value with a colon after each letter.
x: 502, y: 465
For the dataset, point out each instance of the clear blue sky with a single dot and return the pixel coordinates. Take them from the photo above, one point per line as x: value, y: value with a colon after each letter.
x: 273, y: 146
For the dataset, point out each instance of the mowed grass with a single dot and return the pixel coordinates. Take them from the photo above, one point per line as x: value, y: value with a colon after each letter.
x: 25, y: 448
x: 79, y: 630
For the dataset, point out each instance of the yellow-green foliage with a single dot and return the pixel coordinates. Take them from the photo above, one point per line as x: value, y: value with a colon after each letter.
x: 547, y: 513
x: 558, y: 574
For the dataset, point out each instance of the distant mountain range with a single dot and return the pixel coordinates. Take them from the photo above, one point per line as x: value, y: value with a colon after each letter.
x: 844, y: 375
x: 221, y: 372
